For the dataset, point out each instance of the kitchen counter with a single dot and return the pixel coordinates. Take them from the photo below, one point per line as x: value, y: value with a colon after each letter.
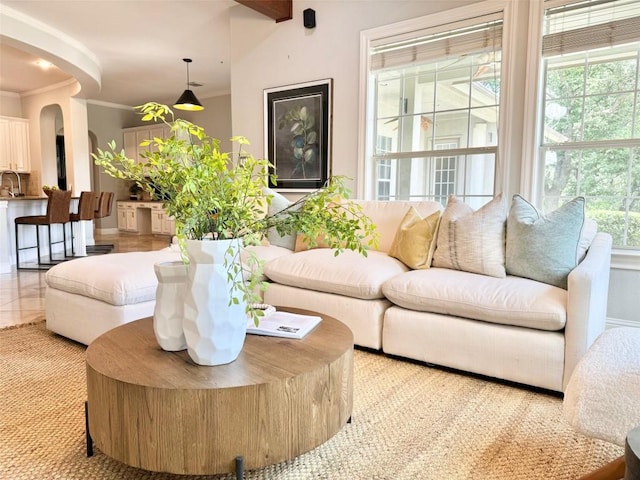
x: 26, y: 197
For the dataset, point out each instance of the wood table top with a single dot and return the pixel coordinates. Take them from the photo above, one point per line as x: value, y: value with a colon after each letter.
x: 131, y: 354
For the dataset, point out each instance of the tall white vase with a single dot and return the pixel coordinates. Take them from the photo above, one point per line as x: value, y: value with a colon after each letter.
x: 214, y: 329
x: 169, y: 308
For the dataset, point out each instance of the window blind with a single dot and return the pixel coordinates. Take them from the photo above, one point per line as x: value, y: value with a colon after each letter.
x: 591, y: 24
x: 427, y: 46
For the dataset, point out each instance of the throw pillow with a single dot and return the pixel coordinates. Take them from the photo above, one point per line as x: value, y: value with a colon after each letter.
x: 278, y: 203
x: 473, y: 241
x: 415, y: 239
x: 589, y: 231
x: 302, y: 243
x: 544, y: 247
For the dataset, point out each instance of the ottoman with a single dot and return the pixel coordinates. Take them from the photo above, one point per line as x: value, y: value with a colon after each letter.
x: 88, y: 296
x: 602, y: 398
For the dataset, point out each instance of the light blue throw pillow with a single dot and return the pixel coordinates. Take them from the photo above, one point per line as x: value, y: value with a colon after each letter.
x: 543, y: 247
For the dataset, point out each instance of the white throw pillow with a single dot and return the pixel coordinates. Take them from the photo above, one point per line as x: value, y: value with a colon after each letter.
x: 278, y: 203
x: 472, y: 241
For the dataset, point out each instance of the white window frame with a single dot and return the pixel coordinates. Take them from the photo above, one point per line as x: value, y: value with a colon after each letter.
x: 532, y: 174
x: 365, y: 187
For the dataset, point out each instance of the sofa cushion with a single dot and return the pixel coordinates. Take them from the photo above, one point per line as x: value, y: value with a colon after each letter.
x: 509, y: 301
x: 415, y: 239
x: 263, y: 253
x: 470, y: 240
x: 302, y: 243
x: 115, y: 278
x: 348, y: 273
x: 544, y: 247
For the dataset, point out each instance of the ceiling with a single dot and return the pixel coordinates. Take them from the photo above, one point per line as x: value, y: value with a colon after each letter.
x: 138, y: 46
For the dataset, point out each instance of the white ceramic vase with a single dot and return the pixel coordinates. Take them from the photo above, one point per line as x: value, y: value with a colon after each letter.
x: 169, y: 308
x: 214, y: 329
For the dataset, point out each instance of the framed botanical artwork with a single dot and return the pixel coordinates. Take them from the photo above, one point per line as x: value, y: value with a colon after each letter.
x: 297, y: 135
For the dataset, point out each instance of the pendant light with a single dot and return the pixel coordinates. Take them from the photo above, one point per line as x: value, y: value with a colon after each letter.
x: 188, y: 100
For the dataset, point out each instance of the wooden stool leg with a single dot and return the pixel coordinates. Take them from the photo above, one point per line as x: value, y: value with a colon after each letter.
x: 611, y: 471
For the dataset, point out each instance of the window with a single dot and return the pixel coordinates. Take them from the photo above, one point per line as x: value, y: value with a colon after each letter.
x: 590, y: 129
x: 445, y: 173
x: 435, y: 98
x: 384, y: 173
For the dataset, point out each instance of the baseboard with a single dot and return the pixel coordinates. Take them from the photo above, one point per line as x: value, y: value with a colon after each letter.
x: 621, y: 322
x: 107, y: 231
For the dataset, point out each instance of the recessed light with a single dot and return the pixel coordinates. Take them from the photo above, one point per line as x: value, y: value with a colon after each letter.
x: 43, y: 64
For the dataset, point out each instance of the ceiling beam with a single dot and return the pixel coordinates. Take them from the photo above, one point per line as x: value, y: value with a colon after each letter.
x: 279, y: 10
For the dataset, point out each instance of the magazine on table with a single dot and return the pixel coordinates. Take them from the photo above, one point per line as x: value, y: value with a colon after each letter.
x: 284, y: 324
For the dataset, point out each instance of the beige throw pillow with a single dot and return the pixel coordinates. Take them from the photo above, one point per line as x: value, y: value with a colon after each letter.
x: 302, y: 243
x: 472, y: 241
x: 415, y: 239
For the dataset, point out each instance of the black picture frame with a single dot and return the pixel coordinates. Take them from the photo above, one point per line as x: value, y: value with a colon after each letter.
x: 297, y: 122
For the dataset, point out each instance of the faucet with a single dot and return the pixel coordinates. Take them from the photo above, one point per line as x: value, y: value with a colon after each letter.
x: 13, y: 193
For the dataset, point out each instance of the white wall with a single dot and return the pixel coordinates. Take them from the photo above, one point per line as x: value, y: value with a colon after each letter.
x: 43, y: 156
x: 10, y: 105
x: 215, y: 119
x: 106, y: 124
x: 266, y: 54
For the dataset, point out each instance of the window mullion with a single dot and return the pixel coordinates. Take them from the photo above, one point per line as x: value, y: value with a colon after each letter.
x: 492, y: 150
x: 625, y: 142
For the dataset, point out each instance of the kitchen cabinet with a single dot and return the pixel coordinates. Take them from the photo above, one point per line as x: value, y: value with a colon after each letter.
x: 144, y: 217
x: 132, y: 137
x: 127, y: 217
x: 14, y: 144
x: 168, y: 225
x: 161, y: 222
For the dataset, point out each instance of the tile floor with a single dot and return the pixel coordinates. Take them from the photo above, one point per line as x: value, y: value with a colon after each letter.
x: 22, y: 292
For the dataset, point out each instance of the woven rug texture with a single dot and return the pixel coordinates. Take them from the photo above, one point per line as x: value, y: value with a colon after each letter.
x: 409, y: 422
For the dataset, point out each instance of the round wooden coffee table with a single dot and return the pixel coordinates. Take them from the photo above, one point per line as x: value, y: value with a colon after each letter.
x: 160, y: 411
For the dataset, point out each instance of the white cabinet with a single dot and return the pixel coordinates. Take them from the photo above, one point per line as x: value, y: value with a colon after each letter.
x: 161, y: 222
x: 168, y: 225
x: 127, y: 217
x: 122, y: 218
x: 144, y: 217
x: 132, y: 219
x: 134, y: 136
x: 14, y: 144
x: 157, y: 215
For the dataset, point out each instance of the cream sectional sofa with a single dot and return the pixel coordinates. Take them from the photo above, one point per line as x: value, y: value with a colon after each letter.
x: 510, y: 328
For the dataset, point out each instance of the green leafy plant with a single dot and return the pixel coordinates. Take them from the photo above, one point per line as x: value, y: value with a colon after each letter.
x: 212, y: 195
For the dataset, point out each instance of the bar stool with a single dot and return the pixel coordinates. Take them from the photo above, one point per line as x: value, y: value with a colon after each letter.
x: 85, y: 212
x: 57, y: 213
x: 105, y: 202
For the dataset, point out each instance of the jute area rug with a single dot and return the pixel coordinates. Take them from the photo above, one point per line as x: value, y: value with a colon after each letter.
x: 409, y: 422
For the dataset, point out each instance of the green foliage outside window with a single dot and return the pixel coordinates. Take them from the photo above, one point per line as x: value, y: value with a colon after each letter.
x: 592, y: 97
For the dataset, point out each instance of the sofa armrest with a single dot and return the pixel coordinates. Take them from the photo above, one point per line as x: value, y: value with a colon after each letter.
x: 587, y: 293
